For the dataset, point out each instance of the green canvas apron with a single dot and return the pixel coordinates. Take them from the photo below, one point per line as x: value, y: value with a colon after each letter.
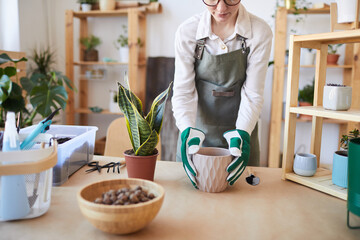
x: 219, y: 79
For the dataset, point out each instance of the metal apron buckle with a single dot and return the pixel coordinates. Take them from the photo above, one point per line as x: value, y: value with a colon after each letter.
x: 200, y: 45
x: 243, y: 43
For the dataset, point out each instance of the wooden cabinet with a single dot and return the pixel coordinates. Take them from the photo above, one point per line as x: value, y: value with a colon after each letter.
x: 350, y: 68
x: 137, y: 55
x: 322, y: 179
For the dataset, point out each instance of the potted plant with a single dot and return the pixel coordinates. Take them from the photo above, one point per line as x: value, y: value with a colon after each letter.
x: 86, y: 5
x: 333, y: 56
x: 113, y: 104
x: 122, y: 45
x: 306, y: 98
x: 337, y: 97
x: 89, y: 44
x: 340, y: 159
x: 44, y: 87
x: 143, y: 131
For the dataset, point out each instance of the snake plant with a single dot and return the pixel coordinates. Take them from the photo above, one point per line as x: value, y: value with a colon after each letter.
x: 143, y: 130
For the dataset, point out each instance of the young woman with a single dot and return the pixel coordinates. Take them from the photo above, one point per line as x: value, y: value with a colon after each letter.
x: 221, y: 58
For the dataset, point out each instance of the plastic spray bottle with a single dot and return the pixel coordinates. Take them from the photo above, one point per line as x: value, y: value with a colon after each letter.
x: 14, y: 203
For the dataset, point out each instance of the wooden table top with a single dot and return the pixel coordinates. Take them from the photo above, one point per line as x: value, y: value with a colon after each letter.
x: 274, y: 209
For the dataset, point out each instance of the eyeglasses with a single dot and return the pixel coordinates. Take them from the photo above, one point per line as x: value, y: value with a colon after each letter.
x: 213, y: 3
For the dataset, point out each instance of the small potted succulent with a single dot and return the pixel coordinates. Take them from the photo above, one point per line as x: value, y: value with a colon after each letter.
x: 337, y: 97
x: 333, y: 56
x: 89, y: 44
x: 86, y: 5
x: 340, y: 159
x: 144, y: 131
x: 113, y: 103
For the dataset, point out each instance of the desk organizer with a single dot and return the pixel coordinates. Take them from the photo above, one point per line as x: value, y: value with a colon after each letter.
x: 25, y: 182
x: 72, y: 154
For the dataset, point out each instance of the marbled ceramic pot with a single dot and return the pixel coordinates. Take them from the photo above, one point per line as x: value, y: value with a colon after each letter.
x: 211, y: 164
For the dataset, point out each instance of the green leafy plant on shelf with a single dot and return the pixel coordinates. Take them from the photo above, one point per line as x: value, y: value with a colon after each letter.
x: 306, y: 94
x: 87, y: 1
x: 333, y: 48
x: 123, y: 40
x: 345, y: 139
x: 143, y: 130
x: 90, y: 43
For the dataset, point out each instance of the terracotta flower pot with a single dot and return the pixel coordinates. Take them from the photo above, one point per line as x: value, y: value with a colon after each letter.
x: 211, y: 164
x: 140, y: 166
x: 302, y: 116
x: 332, y: 59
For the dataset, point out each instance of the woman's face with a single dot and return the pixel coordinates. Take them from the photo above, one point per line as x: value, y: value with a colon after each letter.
x: 222, y: 12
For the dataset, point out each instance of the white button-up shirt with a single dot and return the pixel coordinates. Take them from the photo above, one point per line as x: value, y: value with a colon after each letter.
x: 259, y: 37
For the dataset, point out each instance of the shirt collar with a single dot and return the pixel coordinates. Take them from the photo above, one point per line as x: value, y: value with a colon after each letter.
x: 242, y: 26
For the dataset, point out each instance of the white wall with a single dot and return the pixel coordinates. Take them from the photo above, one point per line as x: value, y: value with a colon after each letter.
x: 39, y: 27
x: 9, y: 25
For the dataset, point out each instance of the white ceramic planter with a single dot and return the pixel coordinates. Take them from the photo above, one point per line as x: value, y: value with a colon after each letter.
x: 85, y: 7
x: 211, y: 164
x: 337, y: 97
x: 305, y: 164
x: 107, y: 5
x: 124, y: 54
x: 309, y: 58
x: 113, y: 106
x: 346, y: 10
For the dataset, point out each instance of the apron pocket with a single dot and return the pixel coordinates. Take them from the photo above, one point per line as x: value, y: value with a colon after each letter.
x: 217, y: 105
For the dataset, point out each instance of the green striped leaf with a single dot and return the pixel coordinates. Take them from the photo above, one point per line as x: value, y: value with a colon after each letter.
x: 147, y: 148
x: 156, y: 114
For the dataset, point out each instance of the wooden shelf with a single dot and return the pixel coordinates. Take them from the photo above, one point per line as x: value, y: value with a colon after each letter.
x: 88, y: 63
x: 88, y: 111
x: 350, y: 69
x: 325, y: 10
x: 321, y: 181
x: 149, y: 8
x: 325, y: 120
x: 328, y: 66
x: 353, y: 114
x: 137, y: 24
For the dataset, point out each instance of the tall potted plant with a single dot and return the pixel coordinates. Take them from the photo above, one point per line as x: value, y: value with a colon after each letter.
x: 89, y: 44
x: 143, y: 131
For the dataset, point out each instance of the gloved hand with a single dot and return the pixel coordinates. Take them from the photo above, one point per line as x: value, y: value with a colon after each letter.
x: 239, y: 147
x: 191, y: 140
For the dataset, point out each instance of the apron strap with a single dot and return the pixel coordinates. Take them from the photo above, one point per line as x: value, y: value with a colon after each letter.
x: 200, y: 45
x: 243, y: 43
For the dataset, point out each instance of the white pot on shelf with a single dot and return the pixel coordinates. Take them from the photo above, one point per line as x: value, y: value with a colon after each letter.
x: 346, y: 10
x: 337, y: 97
x: 85, y: 7
x: 124, y: 54
x: 113, y: 106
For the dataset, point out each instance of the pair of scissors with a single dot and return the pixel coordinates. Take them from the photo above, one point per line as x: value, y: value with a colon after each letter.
x: 42, y: 127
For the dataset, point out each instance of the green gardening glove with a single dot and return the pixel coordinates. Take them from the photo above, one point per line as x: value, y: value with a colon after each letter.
x: 239, y: 147
x: 191, y: 140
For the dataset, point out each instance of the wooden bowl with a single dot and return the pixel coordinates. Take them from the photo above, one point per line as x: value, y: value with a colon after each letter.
x: 120, y: 219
